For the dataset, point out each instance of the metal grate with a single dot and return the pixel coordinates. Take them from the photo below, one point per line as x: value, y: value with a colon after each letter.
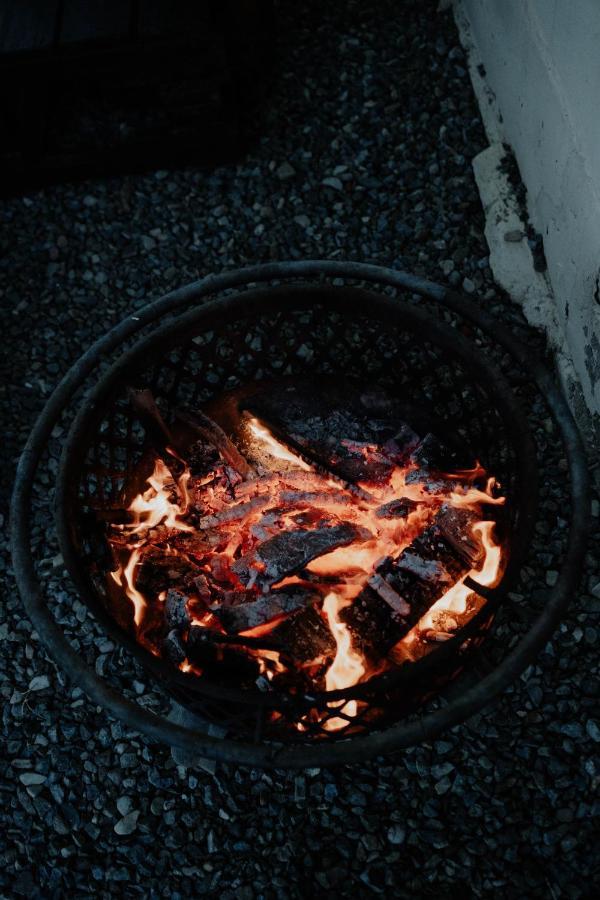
x: 339, y: 332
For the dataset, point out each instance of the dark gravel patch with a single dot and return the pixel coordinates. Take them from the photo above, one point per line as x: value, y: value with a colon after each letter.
x: 365, y: 155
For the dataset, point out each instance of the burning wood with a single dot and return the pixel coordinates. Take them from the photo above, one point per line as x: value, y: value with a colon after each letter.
x: 338, y: 551
x: 291, y: 551
x: 246, y: 616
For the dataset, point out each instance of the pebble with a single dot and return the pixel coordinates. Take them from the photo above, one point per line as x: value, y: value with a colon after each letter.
x: 514, y: 236
x: 128, y: 824
x: 124, y: 805
x: 592, y: 728
x: 285, y: 171
x: 333, y: 182
x: 28, y: 778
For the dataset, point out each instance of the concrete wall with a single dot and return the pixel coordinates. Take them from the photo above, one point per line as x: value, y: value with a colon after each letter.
x: 542, y: 63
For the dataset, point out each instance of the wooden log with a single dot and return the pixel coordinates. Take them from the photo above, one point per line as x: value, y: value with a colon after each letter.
x: 221, y: 662
x: 424, y: 572
x: 290, y: 552
x: 374, y: 624
x: 305, y: 636
x: 245, y: 616
x: 456, y: 524
x: 396, y: 509
x: 214, y: 435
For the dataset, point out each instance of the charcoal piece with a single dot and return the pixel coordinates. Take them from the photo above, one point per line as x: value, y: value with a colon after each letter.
x: 424, y: 571
x: 175, y: 610
x: 402, y: 444
x: 202, y: 587
x: 221, y: 662
x: 290, y: 551
x: 317, y: 413
x: 201, y: 458
x: 456, y: 524
x: 374, y: 625
x: 361, y: 468
x: 173, y: 648
x: 305, y: 635
x: 159, y: 570
x: 430, y: 454
x: 245, y: 616
x: 396, y: 509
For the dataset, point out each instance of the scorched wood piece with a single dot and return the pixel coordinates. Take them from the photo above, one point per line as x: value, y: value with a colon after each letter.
x: 374, y: 624
x: 214, y: 434
x: 305, y: 636
x: 173, y: 648
x: 425, y: 571
x: 245, y: 616
x: 290, y: 552
x: 219, y: 661
x: 159, y: 571
x: 176, y: 611
x: 396, y: 509
x: 456, y: 524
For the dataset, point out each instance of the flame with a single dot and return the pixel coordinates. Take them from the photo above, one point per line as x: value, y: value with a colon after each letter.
x: 347, y: 667
x: 274, y: 447
x: 154, y: 507
x: 237, y: 516
x: 125, y: 577
x: 454, y: 601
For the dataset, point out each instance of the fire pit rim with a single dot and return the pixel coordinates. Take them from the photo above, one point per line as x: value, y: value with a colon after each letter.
x: 401, y: 735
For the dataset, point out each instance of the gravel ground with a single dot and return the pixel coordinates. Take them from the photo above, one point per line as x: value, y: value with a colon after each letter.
x: 364, y: 155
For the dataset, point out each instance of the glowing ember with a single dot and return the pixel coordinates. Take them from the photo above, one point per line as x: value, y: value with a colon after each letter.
x: 293, y: 571
x: 273, y: 446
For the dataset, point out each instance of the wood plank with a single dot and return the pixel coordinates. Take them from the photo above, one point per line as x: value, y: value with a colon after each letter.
x: 94, y: 20
x: 27, y: 26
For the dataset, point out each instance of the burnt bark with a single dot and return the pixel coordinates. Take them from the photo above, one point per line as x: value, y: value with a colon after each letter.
x: 305, y: 636
x: 245, y: 616
x: 288, y: 552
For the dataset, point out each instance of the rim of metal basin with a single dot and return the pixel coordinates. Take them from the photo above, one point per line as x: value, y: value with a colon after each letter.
x: 396, y: 736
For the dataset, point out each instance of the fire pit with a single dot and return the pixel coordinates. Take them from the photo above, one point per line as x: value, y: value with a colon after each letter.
x: 301, y: 506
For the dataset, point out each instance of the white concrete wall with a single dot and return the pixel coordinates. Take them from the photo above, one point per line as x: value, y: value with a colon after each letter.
x: 542, y: 62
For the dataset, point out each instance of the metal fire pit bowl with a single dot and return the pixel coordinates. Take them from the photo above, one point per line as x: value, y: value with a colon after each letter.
x: 471, y: 377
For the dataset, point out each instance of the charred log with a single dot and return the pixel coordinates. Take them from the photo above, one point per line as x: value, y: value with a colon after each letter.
x: 456, y: 526
x: 374, y: 624
x: 305, y: 635
x: 212, y: 433
x: 219, y: 661
x: 290, y: 552
x: 246, y: 616
x: 396, y: 509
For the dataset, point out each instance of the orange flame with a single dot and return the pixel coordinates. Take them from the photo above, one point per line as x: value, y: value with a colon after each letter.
x: 155, y: 507
x: 347, y: 667
x: 274, y: 447
x: 454, y: 601
x: 125, y: 577
x: 237, y: 519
